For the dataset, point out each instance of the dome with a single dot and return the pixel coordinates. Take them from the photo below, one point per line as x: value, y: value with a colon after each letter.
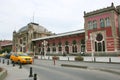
x: 36, y: 27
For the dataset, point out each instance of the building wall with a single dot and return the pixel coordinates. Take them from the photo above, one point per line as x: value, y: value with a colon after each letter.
x: 22, y: 40
x: 61, y: 45
x: 109, y: 32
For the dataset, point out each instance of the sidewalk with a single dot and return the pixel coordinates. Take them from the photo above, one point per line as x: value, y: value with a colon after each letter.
x: 15, y: 73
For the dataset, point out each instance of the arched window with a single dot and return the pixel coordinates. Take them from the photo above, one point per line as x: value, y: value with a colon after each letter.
x: 90, y: 26
x: 48, y: 49
x: 74, y: 42
x: 60, y: 48
x: 107, y: 22
x: 21, y: 41
x: 99, y: 43
x: 83, y: 41
x: 53, y: 49
x: 102, y: 23
x: 94, y: 24
x: 83, y: 45
x: 66, y: 43
x: 67, y: 49
x: 75, y: 48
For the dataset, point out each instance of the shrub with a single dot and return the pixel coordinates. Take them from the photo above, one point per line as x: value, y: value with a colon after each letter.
x: 36, y: 57
x: 55, y: 58
x: 79, y: 58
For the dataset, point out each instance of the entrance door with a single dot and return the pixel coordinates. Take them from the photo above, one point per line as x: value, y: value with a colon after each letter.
x: 99, y: 43
x: 99, y: 46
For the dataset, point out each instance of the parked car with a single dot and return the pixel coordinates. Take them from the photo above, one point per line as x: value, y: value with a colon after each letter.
x: 21, y: 58
x: 3, y: 55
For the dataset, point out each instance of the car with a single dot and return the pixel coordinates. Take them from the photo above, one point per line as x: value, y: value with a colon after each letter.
x: 21, y: 58
x: 3, y: 55
x: 7, y: 56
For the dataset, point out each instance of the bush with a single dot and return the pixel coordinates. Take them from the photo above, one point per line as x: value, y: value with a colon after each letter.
x: 79, y: 58
x: 55, y: 58
x: 36, y: 57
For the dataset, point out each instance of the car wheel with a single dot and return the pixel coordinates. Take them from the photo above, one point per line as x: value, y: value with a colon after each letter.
x: 19, y: 62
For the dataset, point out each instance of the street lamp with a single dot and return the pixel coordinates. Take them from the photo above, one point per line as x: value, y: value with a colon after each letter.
x: 44, y: 43
x: 92, y: 54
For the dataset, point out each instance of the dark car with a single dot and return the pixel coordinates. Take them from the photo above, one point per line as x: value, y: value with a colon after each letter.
x: 8, y: 55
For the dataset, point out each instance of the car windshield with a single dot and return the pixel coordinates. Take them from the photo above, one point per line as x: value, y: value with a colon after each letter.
x: 23, y: 54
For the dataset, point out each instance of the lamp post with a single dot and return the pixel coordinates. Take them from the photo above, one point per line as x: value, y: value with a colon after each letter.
x: 92, y: 54
x: 44, y: 43
x: 34, y: 50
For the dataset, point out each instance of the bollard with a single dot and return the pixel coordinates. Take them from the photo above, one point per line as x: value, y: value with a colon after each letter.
x: 35, y: 76
x: 3, y: 61
x: 7, y: 62
x: 94, y: 59
x: 68, y: 58
x: 48, y: 57
x: 20, y: 64
x: 13, y: 64
x: 54, y: 61
x: 31, y: 75
x: 109, y: 60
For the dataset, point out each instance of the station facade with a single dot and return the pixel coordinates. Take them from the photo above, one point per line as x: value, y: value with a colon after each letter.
x: 65, y: 43
x: 101, y: 35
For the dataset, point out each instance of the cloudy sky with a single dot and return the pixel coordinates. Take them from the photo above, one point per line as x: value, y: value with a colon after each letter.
x: 57, y: 16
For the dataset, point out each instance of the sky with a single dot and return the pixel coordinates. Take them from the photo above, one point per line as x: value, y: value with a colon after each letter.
x: 58, y: 16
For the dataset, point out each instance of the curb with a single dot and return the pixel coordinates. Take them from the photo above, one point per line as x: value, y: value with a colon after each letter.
x: 68, y: 65
x: 3, y: 74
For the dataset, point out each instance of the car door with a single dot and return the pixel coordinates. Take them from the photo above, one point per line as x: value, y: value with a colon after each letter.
x: 15, y: 57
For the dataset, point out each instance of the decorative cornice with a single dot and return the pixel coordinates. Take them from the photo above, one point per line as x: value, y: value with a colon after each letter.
x: 101, y: 11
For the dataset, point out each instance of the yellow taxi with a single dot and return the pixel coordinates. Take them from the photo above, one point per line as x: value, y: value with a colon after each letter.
x: 21, y: 58
x: 2, y: 55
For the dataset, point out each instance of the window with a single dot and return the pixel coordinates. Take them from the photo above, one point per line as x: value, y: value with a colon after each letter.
x: 20, y: 41
x: 90, y: 26
x: 107, y: 22
x: 53, y: 49
x: 48, y: 49
x: 99, y: 37
x: 66, y: 43
x: 102, y: 24
x: 94, y: 24
x: 60, y: 48
x: 74, y: 42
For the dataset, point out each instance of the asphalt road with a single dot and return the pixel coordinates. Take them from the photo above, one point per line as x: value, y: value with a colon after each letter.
x: 46, y: 70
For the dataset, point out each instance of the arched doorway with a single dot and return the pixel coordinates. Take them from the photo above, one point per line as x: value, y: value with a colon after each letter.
x: 99, y: 43
x: 67, y: 49
x: 74, y: 46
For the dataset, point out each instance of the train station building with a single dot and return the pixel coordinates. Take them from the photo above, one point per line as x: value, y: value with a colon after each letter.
x: 101, y: 35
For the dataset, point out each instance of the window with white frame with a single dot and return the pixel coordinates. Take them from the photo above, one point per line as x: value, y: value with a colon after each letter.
x: 94, y: 24
x: 107, y: 22
x: 90, y: 26
x: 102, y: 23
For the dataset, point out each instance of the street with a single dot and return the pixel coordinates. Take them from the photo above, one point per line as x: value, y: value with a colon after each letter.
x: 46, y: 70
